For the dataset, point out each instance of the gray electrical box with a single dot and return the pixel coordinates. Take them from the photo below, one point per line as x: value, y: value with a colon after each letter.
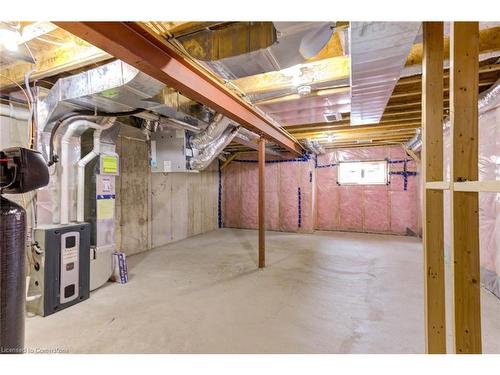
x: 169, y: 152
x: 59, y: 273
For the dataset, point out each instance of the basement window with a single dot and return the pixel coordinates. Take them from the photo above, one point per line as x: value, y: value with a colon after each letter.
x: 363, y: 173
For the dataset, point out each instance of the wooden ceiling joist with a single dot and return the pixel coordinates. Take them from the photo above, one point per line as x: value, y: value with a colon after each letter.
x: 138, y: 47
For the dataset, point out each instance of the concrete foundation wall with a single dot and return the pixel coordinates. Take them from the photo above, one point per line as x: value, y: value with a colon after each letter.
x: 154, y: 209
x: 183, y: 205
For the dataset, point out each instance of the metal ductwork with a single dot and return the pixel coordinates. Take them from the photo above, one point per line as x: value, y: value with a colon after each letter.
x: 209, y: 143
x: 114, y: 87
x: 378, y: 54
x: 486, y: 101
x: 489, y: 98
x: 280, y: 45
x: 319, y: 149
x: 210, y: 152
x: 212, y: 132
x: 415, y: 143
x: 313, y: 146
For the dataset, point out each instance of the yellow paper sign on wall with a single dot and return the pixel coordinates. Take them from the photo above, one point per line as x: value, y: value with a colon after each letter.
x: 105, y: 209
x: 109, y: 164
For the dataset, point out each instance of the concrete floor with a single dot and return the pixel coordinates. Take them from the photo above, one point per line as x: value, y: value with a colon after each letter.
x: 328, y: 292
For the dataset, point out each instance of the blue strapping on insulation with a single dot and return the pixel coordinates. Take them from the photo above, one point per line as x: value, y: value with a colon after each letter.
x: 219, y: 203
x: 327, y: 165
x: 398, y: 161
x: 300, y: 208
x: 304, y: 158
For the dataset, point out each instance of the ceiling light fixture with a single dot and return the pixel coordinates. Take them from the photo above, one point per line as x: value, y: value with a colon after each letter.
x: 304, y: 90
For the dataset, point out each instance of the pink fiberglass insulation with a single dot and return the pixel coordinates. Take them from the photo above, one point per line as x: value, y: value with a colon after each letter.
x: 286, y: 209
x: 327, y: 196
x: 231, y: 195
x: 272, y: 200
x: 376, y: 200
x: 301, y: 197
x: 388, y: 208
x: 351, y: 208
x: 288, y: 192
x: 249, y: 189
x: 489, y: 203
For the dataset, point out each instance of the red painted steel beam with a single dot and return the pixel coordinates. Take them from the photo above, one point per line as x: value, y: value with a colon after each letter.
x: 131, y: 43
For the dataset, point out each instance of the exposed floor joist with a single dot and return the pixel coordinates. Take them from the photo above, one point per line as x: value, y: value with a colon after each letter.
x: 134, y: 45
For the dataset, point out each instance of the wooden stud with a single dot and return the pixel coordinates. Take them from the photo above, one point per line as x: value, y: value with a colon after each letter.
x: 262, y: 202
x: 464, y: 53
x: 432, y: 157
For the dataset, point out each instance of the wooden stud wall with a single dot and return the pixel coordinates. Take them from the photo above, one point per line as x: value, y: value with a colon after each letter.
x: 464, y: 188
x: 465, y: 205
x: 432, y: 157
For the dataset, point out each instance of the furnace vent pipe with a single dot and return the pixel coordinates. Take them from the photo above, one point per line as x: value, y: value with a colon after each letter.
x: 76, y: 124
x: 96, y: 150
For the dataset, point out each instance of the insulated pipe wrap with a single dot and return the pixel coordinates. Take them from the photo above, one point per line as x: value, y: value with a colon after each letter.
x: 12, y: 277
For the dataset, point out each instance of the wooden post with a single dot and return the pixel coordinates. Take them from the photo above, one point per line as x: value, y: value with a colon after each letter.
x: 262, y: 202
x: 432, y: 164
x: 464, y: 71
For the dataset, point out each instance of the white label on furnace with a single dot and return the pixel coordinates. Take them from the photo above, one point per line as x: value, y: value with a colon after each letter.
x: 167, y: 166
x: 70, y: 255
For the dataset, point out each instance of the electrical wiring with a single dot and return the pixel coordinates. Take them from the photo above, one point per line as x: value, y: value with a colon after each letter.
x: 20, y: 87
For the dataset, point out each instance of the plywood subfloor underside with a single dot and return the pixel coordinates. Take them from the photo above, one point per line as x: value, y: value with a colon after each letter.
x: 326, y: 292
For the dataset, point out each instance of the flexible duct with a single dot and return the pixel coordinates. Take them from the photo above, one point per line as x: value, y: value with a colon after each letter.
x: 12, y: 278
x: 107, y: 123
x: 313, y: 147
x: 210, y: 152
x: 486, y: 99
x: 78, y: 124
x: 219, y: 124
x: 415, y: 143
x: 319, y: 149
x: 489, y: 97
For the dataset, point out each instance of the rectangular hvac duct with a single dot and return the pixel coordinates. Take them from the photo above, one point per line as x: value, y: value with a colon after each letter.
x: 378, y: 54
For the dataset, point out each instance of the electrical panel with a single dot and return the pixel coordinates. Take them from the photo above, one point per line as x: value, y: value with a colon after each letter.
x: 59, y: 268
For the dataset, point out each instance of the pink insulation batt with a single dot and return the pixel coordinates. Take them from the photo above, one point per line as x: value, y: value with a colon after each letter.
x: 283, y: 180
x: 324, y: 205
x: 369, y: 208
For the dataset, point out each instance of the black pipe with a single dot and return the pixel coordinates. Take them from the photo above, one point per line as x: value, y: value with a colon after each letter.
x: 53, y: 158
x: 12, y: 276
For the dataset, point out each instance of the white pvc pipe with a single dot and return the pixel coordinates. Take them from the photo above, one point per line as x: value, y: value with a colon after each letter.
x: 65, y: 142
x: 81, y: 168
